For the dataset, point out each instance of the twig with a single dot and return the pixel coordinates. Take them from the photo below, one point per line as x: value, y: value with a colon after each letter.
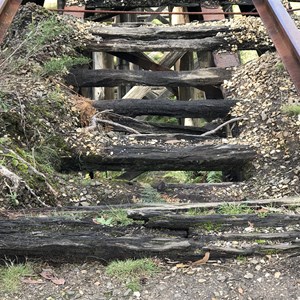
x: 129, y: 129
x: 222, y: 125
x: 16, y: 180
x: 35, y: 171
x: 96, y: 120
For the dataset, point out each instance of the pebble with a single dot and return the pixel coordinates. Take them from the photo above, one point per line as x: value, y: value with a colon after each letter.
x: 248, y: 275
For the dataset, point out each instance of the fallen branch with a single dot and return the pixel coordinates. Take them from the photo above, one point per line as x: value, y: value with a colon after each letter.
x: 34, y: 170
x: 96, y: 120
x: 222, y: 125
x: 15, y: 179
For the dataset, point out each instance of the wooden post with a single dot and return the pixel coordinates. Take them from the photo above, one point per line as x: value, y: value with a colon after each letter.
x: 102, y: 60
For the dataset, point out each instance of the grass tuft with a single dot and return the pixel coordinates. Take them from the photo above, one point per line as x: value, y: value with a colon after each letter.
x: 235, y: 209
x: 132, y: 271
x: 10, y: 276
x: 291, y: 110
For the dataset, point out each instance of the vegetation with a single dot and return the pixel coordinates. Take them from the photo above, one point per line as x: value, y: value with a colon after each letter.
x: 11, y: 274
x: 214, y: 177
x: 234, y: 209
x: 199, y: 211
x: 61, y: 65
x: 150, y: 195
x: 131, y: 271
x: 292, y: 109
x: 209, y: 226
x: 113, y: 217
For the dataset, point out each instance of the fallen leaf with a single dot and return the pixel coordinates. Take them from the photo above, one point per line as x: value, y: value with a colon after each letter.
x: 49, y: 275
x: 32, y: 281
x: 58, y: 281
x: 202, y: 260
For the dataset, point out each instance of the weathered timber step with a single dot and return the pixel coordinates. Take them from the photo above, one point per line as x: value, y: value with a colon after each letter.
x: 208, y: 109
x: 204, y: 44
x: 74, y: 240
x: 184, y: 222
x: 130, y: 4
x: 158, y: 32
x: 126, y: 4
x: 200, y: 77
x: 160, y: 128
x: 145, y: 213
x: 146, y: 158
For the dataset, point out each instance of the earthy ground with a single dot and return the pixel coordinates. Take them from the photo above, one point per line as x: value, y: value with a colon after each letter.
x: 270, y: 277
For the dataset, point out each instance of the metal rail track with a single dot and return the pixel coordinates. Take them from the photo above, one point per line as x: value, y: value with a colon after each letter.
x: 284, y: 34
x: 8, y: 9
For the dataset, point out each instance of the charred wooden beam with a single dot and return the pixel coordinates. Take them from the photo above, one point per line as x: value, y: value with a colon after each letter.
x: 94, y: 78
x: 129, y: 4
x: 151, y: 158
x: 224, y: 221
x: 204, y: 44
x: 148, y: 212
x: 153, y: 33
x: 60, y: 238
x: 208, y: 109
x: 54, y: 238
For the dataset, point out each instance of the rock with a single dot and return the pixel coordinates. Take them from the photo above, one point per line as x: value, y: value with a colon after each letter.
x: 248, y: 275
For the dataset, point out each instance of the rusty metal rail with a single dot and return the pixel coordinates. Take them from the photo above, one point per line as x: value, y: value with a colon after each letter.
x: 284, y: 34
x: 8, y: 9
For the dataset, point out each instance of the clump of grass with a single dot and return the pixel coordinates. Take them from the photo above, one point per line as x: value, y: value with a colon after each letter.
x: 209, y: 226
x: 260, y: 241
x: 199, y: 211
x: 291, y: 110
x: 132, y: 271
x: 114, y: 217
x: 214, y: 177
x: 10, y: 275
x: 235, y: 209
x: 61, y: 65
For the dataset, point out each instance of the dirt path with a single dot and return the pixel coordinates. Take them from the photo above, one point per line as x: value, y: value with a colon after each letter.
x: 270, y: 277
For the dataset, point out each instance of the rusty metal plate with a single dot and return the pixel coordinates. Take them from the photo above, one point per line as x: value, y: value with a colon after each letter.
x: 210, y: 16
x: 284, y: 34
x: 75, y: 11
x: 8, y: 9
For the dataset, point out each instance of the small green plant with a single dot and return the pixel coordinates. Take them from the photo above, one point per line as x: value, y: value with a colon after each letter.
x: 214, y: 177
x: 260, y: 241
x: 263, y: 214
x: 271, y: 251
x: 234, y: 209
x: 132, y: 270
x: 279, y: 66
x: 150, y: 195
x: 199, y: 211
x: 209, y: 226
x: 62, y: 64
x: 114, y: 217
x: 13, y: 198
x: 241, y: 258
x: 291, y: 110
x: 10, y: 275
x: 134, y: 285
